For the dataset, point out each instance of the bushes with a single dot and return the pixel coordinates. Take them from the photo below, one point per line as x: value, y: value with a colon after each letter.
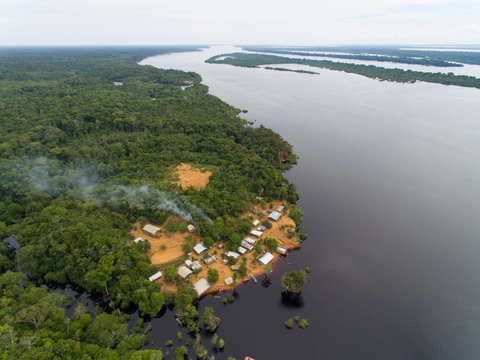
x: 212, y: 275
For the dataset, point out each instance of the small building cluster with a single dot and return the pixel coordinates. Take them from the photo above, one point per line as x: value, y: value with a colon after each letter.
x: 193, y: 265
x: 210, y: 259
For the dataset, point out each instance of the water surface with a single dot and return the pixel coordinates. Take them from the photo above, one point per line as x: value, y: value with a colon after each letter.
x: 389, y: 179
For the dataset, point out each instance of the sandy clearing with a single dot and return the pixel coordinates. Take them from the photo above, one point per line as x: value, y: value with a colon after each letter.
x: 189, y: 176
x: 173, y: 244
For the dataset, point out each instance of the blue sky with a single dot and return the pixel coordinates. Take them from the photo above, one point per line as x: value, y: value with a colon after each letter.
x: 99, y: 22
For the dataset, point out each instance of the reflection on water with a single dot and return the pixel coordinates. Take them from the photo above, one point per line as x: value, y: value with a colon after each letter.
x: 389, y: 179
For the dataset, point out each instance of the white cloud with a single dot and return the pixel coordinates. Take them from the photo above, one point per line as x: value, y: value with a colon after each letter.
x: 234, y: 21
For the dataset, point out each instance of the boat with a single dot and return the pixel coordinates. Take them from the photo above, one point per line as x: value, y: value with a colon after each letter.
x: 254, y: 278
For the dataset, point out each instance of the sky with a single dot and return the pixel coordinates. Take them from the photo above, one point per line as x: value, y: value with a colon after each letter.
x: 209, y: 22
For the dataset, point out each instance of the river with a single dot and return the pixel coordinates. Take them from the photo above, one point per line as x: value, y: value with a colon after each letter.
x: 389, y: 180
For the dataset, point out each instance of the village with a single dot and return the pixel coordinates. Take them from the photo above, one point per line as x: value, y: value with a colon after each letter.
x: 253, y: 255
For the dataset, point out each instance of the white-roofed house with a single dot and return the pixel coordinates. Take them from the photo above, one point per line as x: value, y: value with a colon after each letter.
x: 190, y: 228
x: 274, y: 215
x: 155, y: 276
x: 196, y: 265
x: 280, y: 208
x: 199, y: 248
x: 242, y: 250
x: 184, y: 272
x: 250, y: 240
x: 210, y: 259
x: 232, y: 254
x: 228, y: 280
x: 137, y: 240
x: 266, y: 258
x: 151, y: 229
x: 201, y: 286
x: 256, y: 222
x: 256, y: 233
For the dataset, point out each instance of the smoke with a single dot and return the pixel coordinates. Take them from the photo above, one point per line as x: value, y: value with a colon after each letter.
x: 83, y: 182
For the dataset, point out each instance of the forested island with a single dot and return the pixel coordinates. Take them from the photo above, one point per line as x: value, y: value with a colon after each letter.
x: 393, y: 59
x: 91, y: 145
x: 451, y: 56
x: 370, y: 71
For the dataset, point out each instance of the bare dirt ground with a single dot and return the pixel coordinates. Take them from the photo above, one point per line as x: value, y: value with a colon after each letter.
x: 164, y: 248
x: 189, y: 176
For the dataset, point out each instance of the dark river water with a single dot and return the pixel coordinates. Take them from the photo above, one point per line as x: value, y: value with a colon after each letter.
x: 389, y: 180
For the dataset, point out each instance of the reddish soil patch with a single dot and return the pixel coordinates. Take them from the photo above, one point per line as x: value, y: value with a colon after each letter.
x: 188, y: 176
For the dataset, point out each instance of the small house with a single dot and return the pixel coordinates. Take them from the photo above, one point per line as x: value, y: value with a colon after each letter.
x: 242, y: 250
x: 137, y: 240
x: 151, y: 229
x: 280, y: 208
x: 190, y: 228
x: 228, y: 280
x: 155, y: 276
x: 256, y: 222
x: 184, y: 272
x: 247, y: 245
x: 235, y: 267
x: 201, y: 286
x: 189, y: 263
x: 266, y: 258
x: 117, y: 83
x: 210, y: 259
x: 281, y: 250
x: 196, y: 265
x: 199, y: 248
x: 274, y: 215
x: 256, y: 233
x: 250, y: 240
x: 261, y: 228
x: 232, y: 254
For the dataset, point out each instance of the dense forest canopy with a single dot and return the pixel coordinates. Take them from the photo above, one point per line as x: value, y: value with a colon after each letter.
x: 88, y: 143
x: 370, y: 71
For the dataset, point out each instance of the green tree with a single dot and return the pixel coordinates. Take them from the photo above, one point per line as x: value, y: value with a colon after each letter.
x: 170, y: 274
x: 209, y: 321
x: 293, y: 282
x: 212, y: 275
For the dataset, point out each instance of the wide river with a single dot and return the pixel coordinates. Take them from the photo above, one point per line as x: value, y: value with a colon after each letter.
x: 389, y: 179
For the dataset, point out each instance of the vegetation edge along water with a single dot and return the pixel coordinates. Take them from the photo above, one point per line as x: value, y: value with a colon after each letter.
x: 88, y: 144
x: 370, y: 71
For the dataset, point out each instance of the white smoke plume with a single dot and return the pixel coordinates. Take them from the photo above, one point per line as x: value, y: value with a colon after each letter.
x: 53, y: 178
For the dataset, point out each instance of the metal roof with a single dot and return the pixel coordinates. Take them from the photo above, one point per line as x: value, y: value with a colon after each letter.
x: 151, y: 229
x: 266, y: 258
x: 275, y: 215
x: 184, y: 272
x: 155, y: 276
x: 201, y: 286
x: 199, y: 248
